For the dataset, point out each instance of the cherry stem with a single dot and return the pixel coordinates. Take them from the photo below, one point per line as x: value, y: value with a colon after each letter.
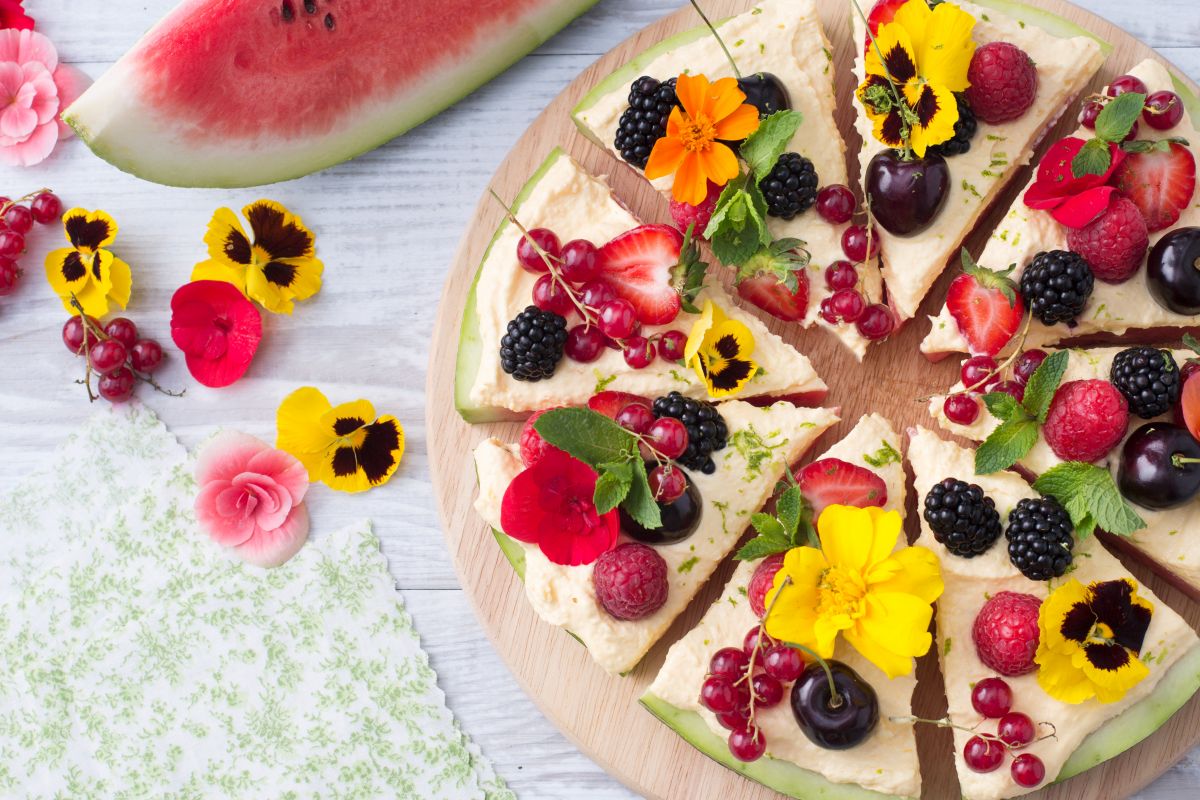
x: 946, y: 722
x: 1179, y: 460
x: 835, y: 699
x: 4, y: 207
x: 887, y: 73
x: 737, y: 73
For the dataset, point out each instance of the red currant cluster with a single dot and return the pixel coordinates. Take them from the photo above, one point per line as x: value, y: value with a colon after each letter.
x: 570, y: 282
x: 16, y: 221
x: 742, y: 680
x: 981, y: 374
x: 662, y: 440
x: 847, y: 304
x: 1163, y: 109
x: 115, y: 353
x: 993, y: 698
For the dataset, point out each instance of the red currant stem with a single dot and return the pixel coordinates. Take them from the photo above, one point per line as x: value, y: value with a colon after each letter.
x: 720, y: 41
x: 87, y: 360
x: 1000, y: 368
x: 146, y: 378
x: 887, y: 73
x: 945, y: 722
x: 4, y: 207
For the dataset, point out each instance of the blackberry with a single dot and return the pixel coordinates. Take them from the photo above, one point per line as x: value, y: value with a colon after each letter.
x: 791, y: 186
x: 964, y: 131
x: 1056, y: 286
x: 962, y: 518
x: 1040, y: 538
x: 1149, y: 379
x: 645, y: 121
x: 706, y: 429
x: 533, y: 345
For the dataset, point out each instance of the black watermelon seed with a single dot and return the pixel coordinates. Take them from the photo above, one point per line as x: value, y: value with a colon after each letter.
x: 329, y: 23
x: 310, y: 6
x: 287, y: 11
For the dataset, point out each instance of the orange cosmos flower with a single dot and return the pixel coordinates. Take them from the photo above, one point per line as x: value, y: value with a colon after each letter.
x: 693, y: 148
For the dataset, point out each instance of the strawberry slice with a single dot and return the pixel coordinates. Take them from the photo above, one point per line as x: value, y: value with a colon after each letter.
x: 986, y: 307
x: 1160, y: 183
x: 881, y: 14
x: 832, y: 481
x: 610, y: 403
x: 1189, y: 405
x: 775, y: 280
x: 639, y: 266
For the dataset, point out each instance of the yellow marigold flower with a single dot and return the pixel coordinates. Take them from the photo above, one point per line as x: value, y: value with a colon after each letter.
x: 94, y: 275
x: 924, y: 55
x: 719, y: 350
x: 274, y: 269
x: 857, y: 584
x: 1091, y: 639
x: 345, y: 447
x: 691, y: 148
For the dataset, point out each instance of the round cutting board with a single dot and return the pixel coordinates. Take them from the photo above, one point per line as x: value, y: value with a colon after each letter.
x: 598, y: 712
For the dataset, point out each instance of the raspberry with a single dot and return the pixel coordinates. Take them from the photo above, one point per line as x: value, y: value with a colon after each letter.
x: 630, y: 581
x: 1006, y: 633
x: 533, y: 446
x: 1087, y: 419
x: 761, y: 582
x: 1114, y: 245
x: 686, y: 214
x: 1004, y: 82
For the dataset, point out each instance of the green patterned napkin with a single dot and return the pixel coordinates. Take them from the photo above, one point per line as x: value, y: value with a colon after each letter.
x: 139, y: 660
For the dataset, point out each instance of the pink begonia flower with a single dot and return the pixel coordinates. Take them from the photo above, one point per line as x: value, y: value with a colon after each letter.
x: 34, y: 89
x: 252, y: 498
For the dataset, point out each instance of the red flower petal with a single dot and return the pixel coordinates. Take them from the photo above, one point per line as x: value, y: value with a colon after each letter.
x: 12, y: 15
x: 217, y: 329
x: 1056, y: 183
x: 1083, y: 209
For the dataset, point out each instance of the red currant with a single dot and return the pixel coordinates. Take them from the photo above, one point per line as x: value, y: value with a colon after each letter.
x: 767, y: 691
x: 116, y: 386
x: 848, y: 304
x: 639, y: 352
x: 876, y: 322
x: 854, y: 243
x: 579, y: 261
x: 107, y: 356
x: 668, y: 436
x: 783, y: 663
x: 19, y: 219
x: 146, y: 356
x: 1027, y: 770
x: 596, y: 293
x: 841, y: 275
x: 718, y: 694
x: 46, y: 208
x: 671, y: 345
x: 74, y: 331
x: 1088, y: 114
x: 617, y: 319
x: 10, y: 274
x: 961, y: 408
x: 12, y: 244
x: 827, y: 312
x: 1016, y: 729
x: 751, y: 641
x: 528, y: 255
x: 983, y: 755
x: 584, y: 343
x: 667, y: 483
x: 979, y: 374
x: 728, y: 662
x: 549, y: 295
x: 736, y: 720
x: 835, y: 203
x: 1164, y: 110
x: 747, y: 745
x: 1017, y: 390
x: 635, y: 417
x: 992, y: 697
x: 1123, y: 84
x: 1027, y: 364
x: 123, y: 330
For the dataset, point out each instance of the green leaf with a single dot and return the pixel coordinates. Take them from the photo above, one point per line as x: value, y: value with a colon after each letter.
x: 1191, y: 343
x: 790, y: 509
x: 1039, y: 392
x: 1006, y: 445
x: 1004, y: 407
x: 687, y: 276
x: 767, y: 525
x: 996, y: 280
x: 738, y: 226
x: 612, y: 486
x: 1092, y: 159
x: 761, y: 547
x: 639, y: 503
x: 1090, y: 495
x: 764, y: 147
x: 587, y: 435
x: 783, y: 258
x: 1118, y: 115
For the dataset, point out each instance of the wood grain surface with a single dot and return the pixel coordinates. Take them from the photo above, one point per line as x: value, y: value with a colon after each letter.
x: 598, y: 712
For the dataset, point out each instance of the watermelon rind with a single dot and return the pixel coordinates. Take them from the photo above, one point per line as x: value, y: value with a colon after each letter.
x: 1046, y: 20
x: 512, y: 551
x: 469, y: 341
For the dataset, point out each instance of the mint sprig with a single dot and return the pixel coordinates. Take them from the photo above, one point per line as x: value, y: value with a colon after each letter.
x: 768, y: 142
x: 791, y: 526
x: 738, y: 226
x: 1090, y: 495
x: 1113, y: 124
x: 1017, y: 432
x: 612, y: 451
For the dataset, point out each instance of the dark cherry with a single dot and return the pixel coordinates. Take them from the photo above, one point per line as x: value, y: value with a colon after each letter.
x: 906, y: 196
x: 1160, y: 466
x: 680, y: 518
x: 765, y: 92
x: 1173, y: 271
x: 834, y: 727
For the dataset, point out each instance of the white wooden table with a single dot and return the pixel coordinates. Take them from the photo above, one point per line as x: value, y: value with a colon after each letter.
x: 387, y: 225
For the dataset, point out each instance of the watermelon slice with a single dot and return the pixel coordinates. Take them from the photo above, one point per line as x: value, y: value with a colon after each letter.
x: 247, y: 92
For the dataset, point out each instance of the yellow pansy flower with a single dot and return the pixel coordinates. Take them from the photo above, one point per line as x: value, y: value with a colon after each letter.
x: 1091, y: 639
x: 275, y: 268
x: 346, y: 447
x: 858, y: 585
x: 719, y: 351
x: 94, y: 275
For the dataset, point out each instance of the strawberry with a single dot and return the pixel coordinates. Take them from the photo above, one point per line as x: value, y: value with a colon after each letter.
x: 832, y: 481
x: 1189, y: 405
x: 610, y: 403
x: 1006, y: 633
x: 775, y: 280
x: 986, y: 307
x: 1160, y: 182
x: 881, y: 14
x: 762, y: 581
x: 639, y: 265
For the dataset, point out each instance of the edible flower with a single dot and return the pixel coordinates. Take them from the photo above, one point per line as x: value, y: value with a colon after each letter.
x: 694, y: 148
x: 34, y: 88
x: 217, y: 329
x: 857, y: 584
x: 251, y: 498
x: 1091, y: 639
x: 551, y: 505
x: 913, y: 69
x: 275, y: 268
x: 719, y: 351
x: 1073, y: 201
x: 85, y: 269
x: 345, y: 447
x: 12, y: 15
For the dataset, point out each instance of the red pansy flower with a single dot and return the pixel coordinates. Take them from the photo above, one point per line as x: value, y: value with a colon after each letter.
x: 12, y: 15
x: 1074, y: 202
x: 550, y: 505
x: 218, y: 330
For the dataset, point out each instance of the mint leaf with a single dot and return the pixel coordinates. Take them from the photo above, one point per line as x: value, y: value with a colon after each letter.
x: 1092, y: 159
x: 587, y: 435
x: 997, y: 280
x: 1039, y: 392
x: 639, y: 503
x: 761, y: 547
x: 1006, y: 445
x: 1004, y: 407
x: 1090, y: 495
x: 764, y: 147
x: 768, y: 526
x: 790, y: 509
x: 612, y: 486
x: 1117, y: 117
x: 738, y: 226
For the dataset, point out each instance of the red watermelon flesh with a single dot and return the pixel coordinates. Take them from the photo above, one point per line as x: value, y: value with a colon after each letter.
x: 244, y: 92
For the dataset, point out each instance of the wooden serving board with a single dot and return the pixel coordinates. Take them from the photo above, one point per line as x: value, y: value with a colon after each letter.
x: 599, y: 713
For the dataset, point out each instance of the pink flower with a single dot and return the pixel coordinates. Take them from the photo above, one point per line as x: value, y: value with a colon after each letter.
x: 251, y: 498
x: 34, y: 88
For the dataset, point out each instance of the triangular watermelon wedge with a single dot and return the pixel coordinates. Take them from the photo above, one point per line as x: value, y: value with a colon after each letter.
x: 247, y: 92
